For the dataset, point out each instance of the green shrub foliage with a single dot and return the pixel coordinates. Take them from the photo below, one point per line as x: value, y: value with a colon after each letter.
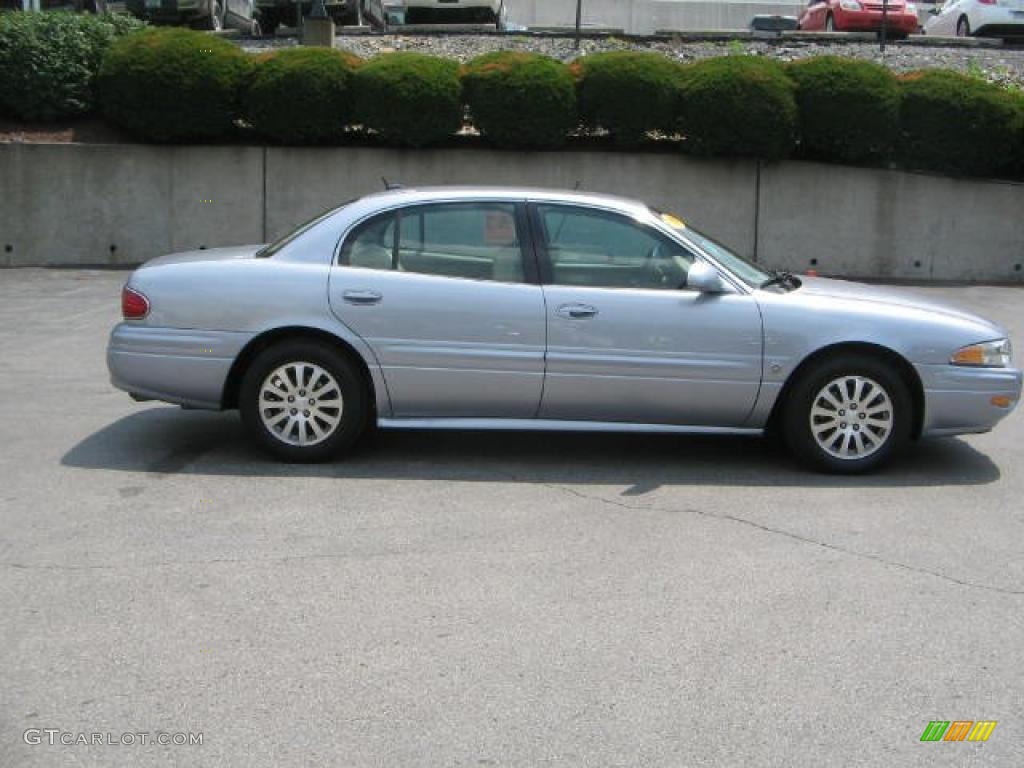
x: 302, y: 95
x: 849, y: 110
x: 49, y: 61
x: 409, y: 98
x: 174, y: 85
x: 628, y: 93
x: 738, y: 106
x: 952, y: 122
x: 520, y: 100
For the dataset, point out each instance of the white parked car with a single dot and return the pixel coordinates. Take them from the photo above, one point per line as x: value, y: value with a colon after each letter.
x: 990, y: 18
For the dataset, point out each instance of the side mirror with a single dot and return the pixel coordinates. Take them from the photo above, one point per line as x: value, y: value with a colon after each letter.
x: 934, y: 11
x: 705, y: 278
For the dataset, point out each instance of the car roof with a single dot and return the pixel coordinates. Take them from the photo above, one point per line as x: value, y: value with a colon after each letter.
x: 412, y: 195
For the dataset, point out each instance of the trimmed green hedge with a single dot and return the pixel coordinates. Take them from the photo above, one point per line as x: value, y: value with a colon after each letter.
x: 628, y: 93
x: 302, y: 95
x: 49, y: 61
x: 174, y: 85
x: 520, y: 100
x: 951, y: 122
x: 738, y: 106
x: 409, y: 98
x: 849, y: 110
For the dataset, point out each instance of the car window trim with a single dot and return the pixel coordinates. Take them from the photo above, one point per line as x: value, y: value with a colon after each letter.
x: 527, y: 244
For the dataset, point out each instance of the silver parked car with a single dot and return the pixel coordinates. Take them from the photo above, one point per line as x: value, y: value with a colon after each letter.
x: 478, y: 308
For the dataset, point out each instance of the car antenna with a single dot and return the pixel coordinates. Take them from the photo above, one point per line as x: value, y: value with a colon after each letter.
x: 389, y: 186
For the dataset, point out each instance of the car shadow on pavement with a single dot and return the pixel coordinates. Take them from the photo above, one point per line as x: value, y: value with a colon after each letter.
x: 170, y: 441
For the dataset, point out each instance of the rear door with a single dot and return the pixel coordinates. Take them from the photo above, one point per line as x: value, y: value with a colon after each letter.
x: 627, y: 341
x: 453, y: 311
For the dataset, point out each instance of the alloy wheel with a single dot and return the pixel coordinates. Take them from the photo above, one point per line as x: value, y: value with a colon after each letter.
x: 301, y: 404
x: 851, y: 417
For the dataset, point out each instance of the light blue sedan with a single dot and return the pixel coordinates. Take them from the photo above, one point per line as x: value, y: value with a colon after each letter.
x: 498, y: 308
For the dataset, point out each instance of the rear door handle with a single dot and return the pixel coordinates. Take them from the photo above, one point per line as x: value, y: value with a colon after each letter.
x: 361, y: 297
x: 576, y: 311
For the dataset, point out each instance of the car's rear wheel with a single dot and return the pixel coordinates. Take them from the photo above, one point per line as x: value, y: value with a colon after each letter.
x: 963, y: 27
x: 848, y: 415
x: 830, y: 23
x: 303, y: 401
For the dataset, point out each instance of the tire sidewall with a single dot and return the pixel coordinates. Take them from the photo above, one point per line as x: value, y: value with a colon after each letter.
x: 353, y: 391
x: 796, y: 423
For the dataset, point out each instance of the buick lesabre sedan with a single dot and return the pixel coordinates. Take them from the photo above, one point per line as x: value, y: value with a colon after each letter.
x: 479, y: 308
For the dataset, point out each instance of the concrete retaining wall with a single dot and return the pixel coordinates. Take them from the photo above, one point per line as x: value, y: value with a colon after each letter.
x: 112, y: 205
x: 643, y: 17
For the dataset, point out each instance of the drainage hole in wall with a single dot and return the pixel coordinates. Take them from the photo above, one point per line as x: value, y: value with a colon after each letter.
x: 917, y: 263
x: 814, y: 262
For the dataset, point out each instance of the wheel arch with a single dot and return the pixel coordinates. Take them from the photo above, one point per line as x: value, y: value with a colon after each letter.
x: 902, y: 366
x: 233, y: 383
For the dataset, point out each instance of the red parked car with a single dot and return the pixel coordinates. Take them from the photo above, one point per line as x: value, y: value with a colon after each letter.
x: 859, y: 16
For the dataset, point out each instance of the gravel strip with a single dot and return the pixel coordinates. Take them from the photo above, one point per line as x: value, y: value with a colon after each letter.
x: 1000, y: 65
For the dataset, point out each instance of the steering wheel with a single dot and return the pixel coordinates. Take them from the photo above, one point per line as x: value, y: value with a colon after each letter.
x: 656, y: 272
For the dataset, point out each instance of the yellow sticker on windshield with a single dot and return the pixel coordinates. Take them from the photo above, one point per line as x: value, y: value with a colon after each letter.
x: 673, y: 221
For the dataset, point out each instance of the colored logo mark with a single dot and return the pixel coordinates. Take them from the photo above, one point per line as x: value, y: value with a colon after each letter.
x: 958, y: 730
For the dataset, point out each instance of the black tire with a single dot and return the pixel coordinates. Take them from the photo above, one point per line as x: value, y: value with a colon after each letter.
x: 830, y: 23
x: 963, y: 27
x: 797, y: 415
x: 214, y: 22
x: 354, y: 395
x: 269, y: 22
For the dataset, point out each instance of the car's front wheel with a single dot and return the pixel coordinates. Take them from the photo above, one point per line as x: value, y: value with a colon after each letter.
x: 848, y: 415
x: 303, y: 401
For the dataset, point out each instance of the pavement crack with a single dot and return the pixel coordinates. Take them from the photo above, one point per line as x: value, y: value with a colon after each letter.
x: 789, y: 535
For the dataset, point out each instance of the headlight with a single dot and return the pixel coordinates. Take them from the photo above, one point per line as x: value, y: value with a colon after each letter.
x: 850, y: 5
x: 988, y: 354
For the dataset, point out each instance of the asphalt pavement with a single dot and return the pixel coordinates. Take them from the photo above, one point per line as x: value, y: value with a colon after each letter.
x: 465, y: 599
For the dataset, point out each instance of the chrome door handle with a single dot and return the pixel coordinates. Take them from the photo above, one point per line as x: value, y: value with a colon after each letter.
x: 361, y: 297
x: 576, y: 311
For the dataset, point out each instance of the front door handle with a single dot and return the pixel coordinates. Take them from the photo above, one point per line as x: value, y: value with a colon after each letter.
x: 576, y: 311
x: 363, y: 298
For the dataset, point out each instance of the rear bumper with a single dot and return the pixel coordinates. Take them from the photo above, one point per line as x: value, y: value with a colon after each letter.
x: 871, y: 21
x: 995, y: 21
x: 959, y: 400
x: 184, y: 367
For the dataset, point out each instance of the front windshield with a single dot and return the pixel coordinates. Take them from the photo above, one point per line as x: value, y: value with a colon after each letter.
x: 743, y: 269
x: 269, y: 250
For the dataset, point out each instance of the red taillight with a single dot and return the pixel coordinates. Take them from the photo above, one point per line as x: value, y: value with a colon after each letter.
x: 134, y: 305
x: 986, y: 2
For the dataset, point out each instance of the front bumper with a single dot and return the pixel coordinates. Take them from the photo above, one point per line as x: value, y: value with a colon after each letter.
x: 185, y: 367
x: 960, y: 400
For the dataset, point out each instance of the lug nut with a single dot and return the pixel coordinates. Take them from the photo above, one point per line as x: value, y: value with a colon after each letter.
x: 294, y: 411
x: 313, y: 402
x: 842, y: 425
x: 842, y: 413
x: 291, y: 399
x: 863, y: 415
x: 302, y: 393
x: 305, y: 413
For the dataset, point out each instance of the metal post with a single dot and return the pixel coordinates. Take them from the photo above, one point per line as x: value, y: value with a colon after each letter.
x: 359, y: 12
x: 885, y: 24
x: 579, y: 21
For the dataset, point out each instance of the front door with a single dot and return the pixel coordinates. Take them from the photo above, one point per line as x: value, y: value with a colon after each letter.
x: 627, y: 342
x: 452, y: 310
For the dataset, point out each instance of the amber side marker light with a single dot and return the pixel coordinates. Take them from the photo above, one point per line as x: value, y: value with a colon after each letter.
x: 1001, y: 401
